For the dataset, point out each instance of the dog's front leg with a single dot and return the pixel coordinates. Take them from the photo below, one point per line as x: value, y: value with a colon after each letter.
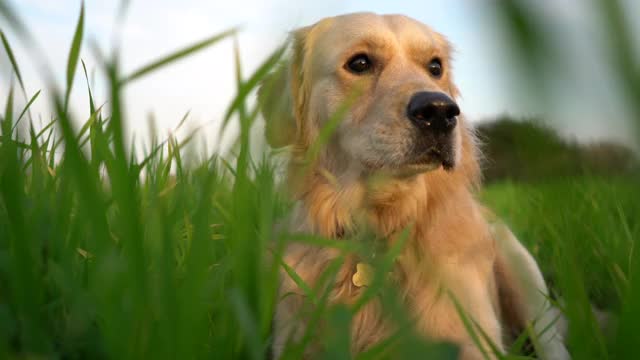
x: 524, y: 295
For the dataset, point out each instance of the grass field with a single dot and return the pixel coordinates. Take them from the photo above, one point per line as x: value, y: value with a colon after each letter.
x: 105, y: 255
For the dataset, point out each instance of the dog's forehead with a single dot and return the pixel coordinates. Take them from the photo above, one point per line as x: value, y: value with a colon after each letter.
x: 336, y: 37
x: 399, y: 29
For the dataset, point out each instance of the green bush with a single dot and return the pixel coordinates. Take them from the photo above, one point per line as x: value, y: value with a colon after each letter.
x: 531, y: 151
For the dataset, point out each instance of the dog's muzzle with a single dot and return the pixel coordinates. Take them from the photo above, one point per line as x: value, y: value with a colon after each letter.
x: 434, y: 116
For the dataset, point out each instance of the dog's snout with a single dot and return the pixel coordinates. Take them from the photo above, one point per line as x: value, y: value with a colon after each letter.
x: 434, y: 110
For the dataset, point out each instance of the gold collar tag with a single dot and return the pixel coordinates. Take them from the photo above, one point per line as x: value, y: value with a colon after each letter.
x: 363, y: 276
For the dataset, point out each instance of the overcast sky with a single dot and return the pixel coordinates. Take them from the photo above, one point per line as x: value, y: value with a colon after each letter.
x: 204, y: 84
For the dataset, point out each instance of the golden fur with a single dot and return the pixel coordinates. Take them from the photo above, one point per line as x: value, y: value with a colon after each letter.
x: 364, y: 178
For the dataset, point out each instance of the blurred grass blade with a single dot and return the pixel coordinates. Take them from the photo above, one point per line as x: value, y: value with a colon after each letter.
x: 26, y: 108
x: 169, y: 59
x: 299, y: 282
x: 45, y: 128
x: 19, y: 144
x: 623, y: 54
x: 250, y: 84
x: 182, y: 121
x: 92, y: 106
x: 330, y: 127
x: 122, y: 9
x: 12, y: 59
x: 87, y: 182
x: 152, y: 154
x: 87, y: 126
x: 242, y: 109
x: 247, y: 323
x: 237, y: 61
x: 338, y: 342
x: 25, y: 283
x: 315, y: 319
x: 468, y: 325
x: 74, y: 54
x: 12, y: 18
x: 8, y: 115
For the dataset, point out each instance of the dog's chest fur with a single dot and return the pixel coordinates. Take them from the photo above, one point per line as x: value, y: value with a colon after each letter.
x: 449, y: 255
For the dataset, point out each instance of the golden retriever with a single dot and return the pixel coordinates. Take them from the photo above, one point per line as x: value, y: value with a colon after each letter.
x: 402, y: 126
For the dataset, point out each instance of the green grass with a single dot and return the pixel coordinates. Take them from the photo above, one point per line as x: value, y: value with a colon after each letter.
x: 104, y: 255
x: 596, y: 220
x: 583, y: 232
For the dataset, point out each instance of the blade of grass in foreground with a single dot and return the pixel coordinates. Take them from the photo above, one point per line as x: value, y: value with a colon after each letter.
x: 92, y: 106
x: 25, y: 284
x: 86, y: 181
x: 12, y: 60
x: 331, y: 126
x: 8, y: 116
x: 74, y: 54
x: 622, y: 54
x: 26, y: 108
x: 247, y: 323
x: 245, y: 88
x: 12, y: 18
x: 169, y: 59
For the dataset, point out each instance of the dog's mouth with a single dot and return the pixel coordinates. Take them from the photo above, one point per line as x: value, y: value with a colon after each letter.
x: 436, y: 157
x: 435, y: 152
x: 426, y: 153
x: 426, y: 166
x: 426, y: 160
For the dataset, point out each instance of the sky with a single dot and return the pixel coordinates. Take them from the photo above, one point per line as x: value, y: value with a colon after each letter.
x: 204, y: 84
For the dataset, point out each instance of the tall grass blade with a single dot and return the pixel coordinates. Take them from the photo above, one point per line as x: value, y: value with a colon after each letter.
x: 246, y: 87
x: 74, y: 54
x: 180, y: 54
x: 7, y: 122
x: 12, y: 60
x: 26, y: 108
x: 14, y: 20
x: 92, y: 106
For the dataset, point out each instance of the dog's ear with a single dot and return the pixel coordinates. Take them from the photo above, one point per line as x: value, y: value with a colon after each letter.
x: 276, y: 104
x: 281, y: 97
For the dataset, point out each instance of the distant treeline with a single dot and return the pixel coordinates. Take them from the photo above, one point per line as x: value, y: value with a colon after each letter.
x: 530, y: 151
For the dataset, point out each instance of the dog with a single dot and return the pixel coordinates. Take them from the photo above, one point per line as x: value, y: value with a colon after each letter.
x: 401, y: 157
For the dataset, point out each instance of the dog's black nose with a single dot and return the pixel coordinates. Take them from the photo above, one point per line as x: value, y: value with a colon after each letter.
x: 433, y: 110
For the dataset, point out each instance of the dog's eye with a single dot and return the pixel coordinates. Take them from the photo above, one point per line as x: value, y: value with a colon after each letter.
x: 435, y: 67
x: 359, y: 64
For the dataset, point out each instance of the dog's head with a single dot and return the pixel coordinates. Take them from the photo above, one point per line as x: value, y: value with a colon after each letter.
x: 402, y: 117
